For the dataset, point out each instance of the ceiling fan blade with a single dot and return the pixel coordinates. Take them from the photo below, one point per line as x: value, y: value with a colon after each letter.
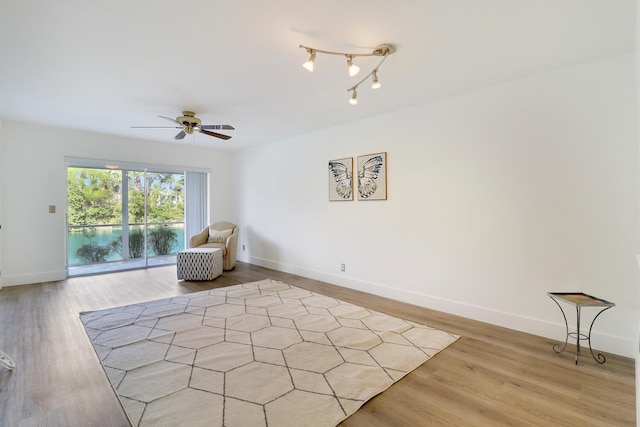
x: 217, y: 127
x: 156, y: 127
x: 173, y: 120
x: 215, y: 134
x: 181, y: 135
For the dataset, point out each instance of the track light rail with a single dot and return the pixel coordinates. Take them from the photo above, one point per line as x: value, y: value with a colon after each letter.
x: 381, y: 50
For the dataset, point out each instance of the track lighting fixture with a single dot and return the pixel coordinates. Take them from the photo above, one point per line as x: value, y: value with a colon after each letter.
x: 354, y: 98
x: 309, y: 64
x: 383, y: 51
x: 353, y: 68
x: 376, y: 83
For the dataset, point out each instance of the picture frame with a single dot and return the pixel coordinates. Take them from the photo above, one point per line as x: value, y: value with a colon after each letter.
x: 372, y: 176
x: 341, y: 179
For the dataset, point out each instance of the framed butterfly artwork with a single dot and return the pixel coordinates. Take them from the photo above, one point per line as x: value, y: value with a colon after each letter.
x: 372, y: 176
x: 341, y: 179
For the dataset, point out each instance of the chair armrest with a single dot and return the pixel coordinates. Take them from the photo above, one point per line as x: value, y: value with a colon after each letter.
x: 232, y: 246
x: 199, y: 239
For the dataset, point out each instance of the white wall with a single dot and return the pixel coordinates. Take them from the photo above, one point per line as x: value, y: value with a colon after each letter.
x: 495, y: 198
x: 33, y: 174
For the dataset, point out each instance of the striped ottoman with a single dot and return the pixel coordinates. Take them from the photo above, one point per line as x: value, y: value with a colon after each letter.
x: 199, y: 264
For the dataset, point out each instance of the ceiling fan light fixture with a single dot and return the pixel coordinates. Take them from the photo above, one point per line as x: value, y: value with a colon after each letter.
x: 382, y: 51
x: 311, y: 61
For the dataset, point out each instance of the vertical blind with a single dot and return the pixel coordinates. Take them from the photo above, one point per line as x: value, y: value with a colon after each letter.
x: 196, y: 202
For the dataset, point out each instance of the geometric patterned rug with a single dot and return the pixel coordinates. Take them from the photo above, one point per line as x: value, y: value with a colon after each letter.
x: 257, y: 354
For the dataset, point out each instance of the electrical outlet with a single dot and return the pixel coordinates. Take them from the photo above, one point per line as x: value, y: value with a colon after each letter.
x: 341, y: 267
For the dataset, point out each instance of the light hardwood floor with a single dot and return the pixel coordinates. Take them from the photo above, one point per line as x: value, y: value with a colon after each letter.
x: 491, y: 376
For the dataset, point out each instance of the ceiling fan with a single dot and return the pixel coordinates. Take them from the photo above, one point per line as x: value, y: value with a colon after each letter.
x: 188, y: 123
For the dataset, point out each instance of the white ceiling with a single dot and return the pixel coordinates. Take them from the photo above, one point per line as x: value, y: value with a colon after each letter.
x: 105, y: 66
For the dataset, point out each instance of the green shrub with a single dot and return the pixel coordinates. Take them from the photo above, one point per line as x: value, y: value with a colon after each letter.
x: 93, y: 252
x: 162, y: 239
x: 136, y: 244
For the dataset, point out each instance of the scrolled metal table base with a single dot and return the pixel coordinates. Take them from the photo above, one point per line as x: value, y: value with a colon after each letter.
x: 578, y: 336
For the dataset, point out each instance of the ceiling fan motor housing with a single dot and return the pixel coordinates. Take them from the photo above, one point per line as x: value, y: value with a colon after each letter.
x: 189, y: 121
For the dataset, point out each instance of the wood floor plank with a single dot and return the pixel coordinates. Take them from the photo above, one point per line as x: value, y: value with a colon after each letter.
x: 491, y: 376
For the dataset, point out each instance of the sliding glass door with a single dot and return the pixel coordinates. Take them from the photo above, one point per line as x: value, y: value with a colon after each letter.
x: 93, y: 215
x: 122, y: 218
x: 155, y: 215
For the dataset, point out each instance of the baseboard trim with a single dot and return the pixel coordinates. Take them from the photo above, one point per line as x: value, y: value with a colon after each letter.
x: 28, y: 279
x: 553, y: 330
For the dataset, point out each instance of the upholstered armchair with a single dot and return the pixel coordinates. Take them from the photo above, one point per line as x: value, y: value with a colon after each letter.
x: 221, y: 235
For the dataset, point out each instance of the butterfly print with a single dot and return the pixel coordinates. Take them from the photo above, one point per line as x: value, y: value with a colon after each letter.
x: 343, y: 178
x: 367, y: 176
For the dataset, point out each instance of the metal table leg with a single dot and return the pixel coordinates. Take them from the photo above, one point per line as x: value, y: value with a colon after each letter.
x: 600, y: 359
x: 556, y: 346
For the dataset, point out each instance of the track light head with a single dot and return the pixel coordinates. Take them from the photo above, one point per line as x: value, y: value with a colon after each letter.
x: 353, y: 68
x: 312, y: 59
x: 354, y: 97
x: 376, y: 83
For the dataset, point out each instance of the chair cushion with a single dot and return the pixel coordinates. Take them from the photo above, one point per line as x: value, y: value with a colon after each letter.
x: 218, y: 236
